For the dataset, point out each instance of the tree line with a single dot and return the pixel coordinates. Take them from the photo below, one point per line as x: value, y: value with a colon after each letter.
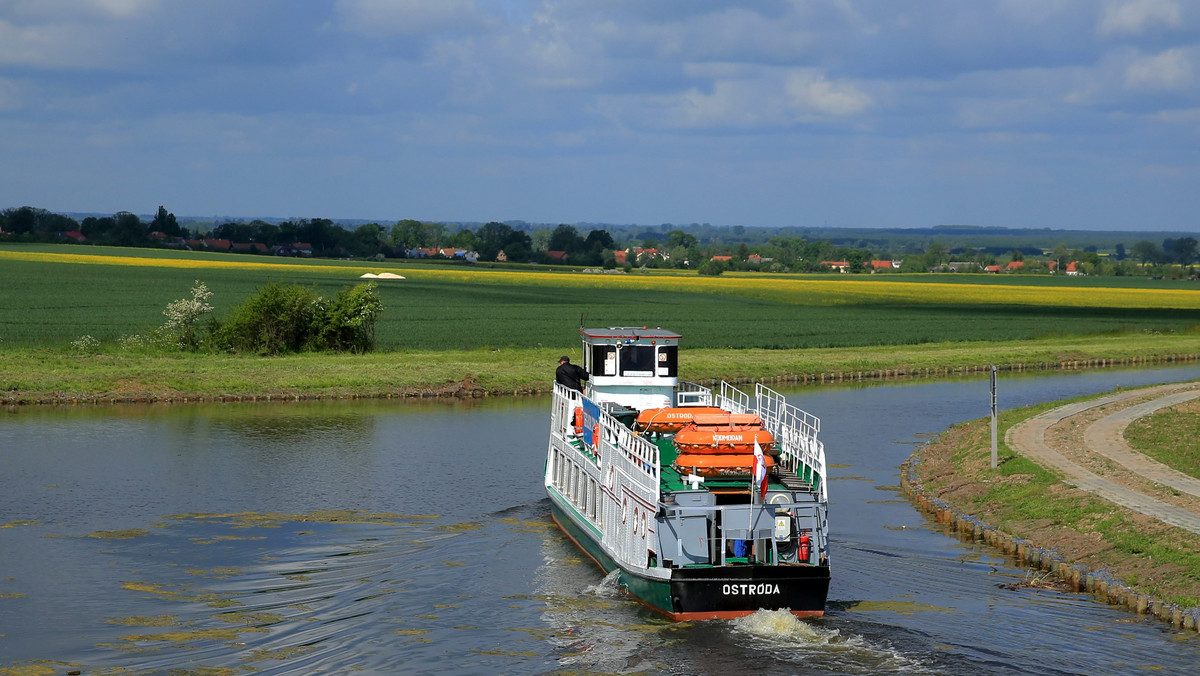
x: 673, y: 248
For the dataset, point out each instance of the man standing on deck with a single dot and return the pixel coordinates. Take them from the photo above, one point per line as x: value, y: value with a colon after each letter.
x: 569, y: 375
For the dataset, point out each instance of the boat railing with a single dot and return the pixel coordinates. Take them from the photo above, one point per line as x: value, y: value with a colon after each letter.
x: 625, y: 465
x: 732, y: 399
x: 631, y: 475
x: 692, y: 394
x: 795, y: 432
x: 562, y: 414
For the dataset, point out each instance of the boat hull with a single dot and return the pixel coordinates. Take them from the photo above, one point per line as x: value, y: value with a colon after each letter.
x: 711, y: 592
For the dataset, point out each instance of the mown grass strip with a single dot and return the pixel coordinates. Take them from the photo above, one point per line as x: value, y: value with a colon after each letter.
x: 31, y: 375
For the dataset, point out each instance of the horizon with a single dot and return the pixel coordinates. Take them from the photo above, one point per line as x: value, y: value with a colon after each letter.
x: 818, y: 114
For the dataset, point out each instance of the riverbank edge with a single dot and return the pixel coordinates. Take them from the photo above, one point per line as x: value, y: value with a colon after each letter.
x: 1038, y: 556
x: 468, y: 386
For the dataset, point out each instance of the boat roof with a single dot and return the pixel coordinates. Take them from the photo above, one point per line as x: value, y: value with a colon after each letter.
x: 625, y: 332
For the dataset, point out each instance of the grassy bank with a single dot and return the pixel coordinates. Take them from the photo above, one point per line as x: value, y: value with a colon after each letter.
x: 32, y: 376
x: 1028, y: 509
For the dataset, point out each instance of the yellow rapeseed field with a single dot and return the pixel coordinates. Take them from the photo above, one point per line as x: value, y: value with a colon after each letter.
x: 819, y: 290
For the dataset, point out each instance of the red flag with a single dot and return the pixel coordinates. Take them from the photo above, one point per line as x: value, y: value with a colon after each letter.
x: 760, y: 470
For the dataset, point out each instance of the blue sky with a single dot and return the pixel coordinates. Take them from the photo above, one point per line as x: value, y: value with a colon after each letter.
x: 1074, y: 114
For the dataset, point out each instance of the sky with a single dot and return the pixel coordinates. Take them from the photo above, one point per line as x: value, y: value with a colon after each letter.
x: 1061, y: 114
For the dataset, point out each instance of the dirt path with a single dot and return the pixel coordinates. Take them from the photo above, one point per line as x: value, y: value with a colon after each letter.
x: 1053, y: 438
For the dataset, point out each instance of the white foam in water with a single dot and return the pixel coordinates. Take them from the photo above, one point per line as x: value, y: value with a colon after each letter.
x: 789, y: 637
x: 609, y: 587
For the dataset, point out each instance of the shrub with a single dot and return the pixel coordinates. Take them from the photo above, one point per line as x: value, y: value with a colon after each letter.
x: 293, y: 318
x: 348, y: 324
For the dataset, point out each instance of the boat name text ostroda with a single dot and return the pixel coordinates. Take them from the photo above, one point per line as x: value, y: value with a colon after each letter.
x: 753, y: 589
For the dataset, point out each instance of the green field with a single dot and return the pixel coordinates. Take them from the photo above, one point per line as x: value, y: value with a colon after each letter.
x: 47, y: 304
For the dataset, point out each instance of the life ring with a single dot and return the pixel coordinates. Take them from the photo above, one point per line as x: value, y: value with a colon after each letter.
x: 578, y: 420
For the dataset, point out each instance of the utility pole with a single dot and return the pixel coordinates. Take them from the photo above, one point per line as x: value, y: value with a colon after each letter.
x: 995, y: 460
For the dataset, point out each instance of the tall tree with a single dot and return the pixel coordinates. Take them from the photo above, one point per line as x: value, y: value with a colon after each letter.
x: 1145, y: 251
x: 165, y: 222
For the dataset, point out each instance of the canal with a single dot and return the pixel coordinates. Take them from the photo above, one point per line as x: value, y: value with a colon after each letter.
x: 414, y: 537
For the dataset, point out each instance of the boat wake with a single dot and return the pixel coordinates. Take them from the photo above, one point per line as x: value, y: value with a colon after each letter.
x: 608, y: 588
x: 790, y: 639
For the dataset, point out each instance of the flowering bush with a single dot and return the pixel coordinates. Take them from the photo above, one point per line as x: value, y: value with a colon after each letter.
x: 85, y: 345
x: 183, y: 315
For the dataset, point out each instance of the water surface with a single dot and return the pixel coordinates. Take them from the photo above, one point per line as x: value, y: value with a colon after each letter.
x: 414, y: 537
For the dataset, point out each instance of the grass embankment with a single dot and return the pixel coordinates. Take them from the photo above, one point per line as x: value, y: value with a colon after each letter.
x: 44, y: 376
x: 1027, y: 502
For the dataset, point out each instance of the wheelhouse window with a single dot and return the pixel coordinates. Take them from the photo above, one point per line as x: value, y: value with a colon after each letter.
x: 604, y: 360
x: 637, y: 360
x: 668, y: 361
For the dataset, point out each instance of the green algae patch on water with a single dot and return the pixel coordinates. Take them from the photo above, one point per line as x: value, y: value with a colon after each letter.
x: 460, y: 527
x: 276, y: 519
x: 901, y: 607
x: 278, y: 654
x: 146, y: 621
x: 519, y: 526
x: 19, y: 524
x: 219, y: 573
x: 126, y: 534
x: 254, y: 618
x: 192, y: 635
x: 38, y: 668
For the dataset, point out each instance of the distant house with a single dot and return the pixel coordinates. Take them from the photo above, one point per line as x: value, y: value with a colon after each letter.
x: 993, y: 269
x: 73, y: 234
x: 877, y: 266
x: 722, y: 259
x: 621, y: 257
x: 250, y: 247
x: 293, y: 249
x: 218, y: 244
x: 839, y: 266
x: 643, y: 255
x: 961, y: 266
x: 1073, y: 269
x: 1014, y: 266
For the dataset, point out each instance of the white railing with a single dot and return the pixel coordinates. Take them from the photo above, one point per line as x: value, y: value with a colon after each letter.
x: 795, y: 434
x: 630, y: 469
x: 625, y: 466
x: 732, y: 399
x: 562, y: 414
x: 692, y: 394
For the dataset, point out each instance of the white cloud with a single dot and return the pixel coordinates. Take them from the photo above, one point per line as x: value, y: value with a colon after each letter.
x: 380, y: 18
x: 1134, y: 17
x: 1170, y: 71
x: 811, y: 92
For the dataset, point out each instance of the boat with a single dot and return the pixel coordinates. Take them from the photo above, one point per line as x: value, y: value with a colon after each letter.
x: 711, y: 502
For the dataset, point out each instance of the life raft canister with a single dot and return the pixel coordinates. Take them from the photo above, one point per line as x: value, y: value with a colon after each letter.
x: 719, y: 464
x: 728, y: 433
x: 671, y: 419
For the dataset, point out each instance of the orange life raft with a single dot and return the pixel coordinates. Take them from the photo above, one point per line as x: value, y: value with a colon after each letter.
x: 719, y: 464
x: 727, y: 433
x: 672, y: 419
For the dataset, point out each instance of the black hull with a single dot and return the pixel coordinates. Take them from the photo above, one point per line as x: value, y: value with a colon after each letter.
x: 735, y: 591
